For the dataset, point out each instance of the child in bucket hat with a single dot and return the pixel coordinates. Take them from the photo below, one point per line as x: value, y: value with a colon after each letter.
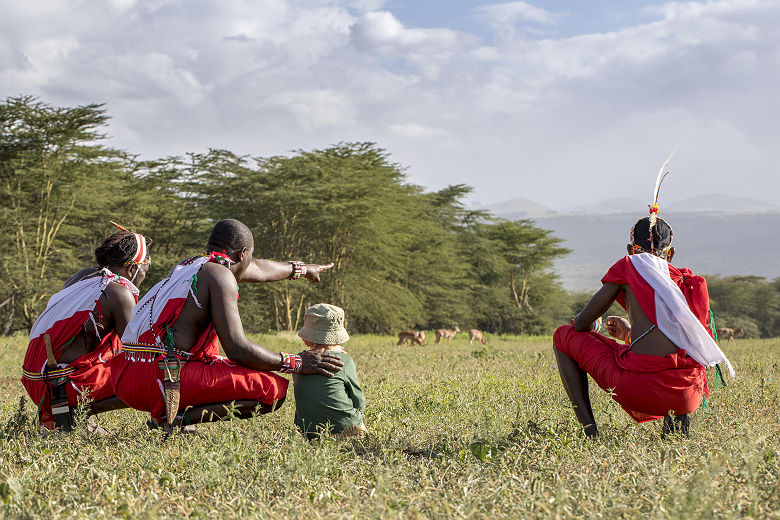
x: 324, y: 403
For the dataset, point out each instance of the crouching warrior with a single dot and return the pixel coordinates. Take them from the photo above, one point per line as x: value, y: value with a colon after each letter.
x: 73, y: 340
x: 170, y: 364
x: 659, y: 370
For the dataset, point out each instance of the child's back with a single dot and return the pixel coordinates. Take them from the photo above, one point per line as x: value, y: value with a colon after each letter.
x: 333, y: 403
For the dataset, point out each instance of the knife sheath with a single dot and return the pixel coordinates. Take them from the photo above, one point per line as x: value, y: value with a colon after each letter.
x: 60, y: 409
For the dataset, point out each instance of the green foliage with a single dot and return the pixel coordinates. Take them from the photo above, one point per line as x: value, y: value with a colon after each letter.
x: 403, y: 258
x: 512, y: 262
x: 53, y: 173
x: 748, y: 302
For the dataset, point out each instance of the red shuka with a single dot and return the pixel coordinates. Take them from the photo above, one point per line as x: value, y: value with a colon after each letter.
x: 206, y: 378
x: 693, y: 287
x: 647, y: 387
x: 63, y: 319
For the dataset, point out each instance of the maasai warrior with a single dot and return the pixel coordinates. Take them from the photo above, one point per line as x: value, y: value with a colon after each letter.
x: 660, y: 370
x: 83, y: 323
x: 169, y: 365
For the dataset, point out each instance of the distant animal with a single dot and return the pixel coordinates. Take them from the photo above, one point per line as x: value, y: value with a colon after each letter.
x: 411, y: 336
x: 476, y: 334
x: 447, y: 334
x: 730, y: 333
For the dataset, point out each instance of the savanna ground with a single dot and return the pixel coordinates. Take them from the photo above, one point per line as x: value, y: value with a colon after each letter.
x: 461, y: 431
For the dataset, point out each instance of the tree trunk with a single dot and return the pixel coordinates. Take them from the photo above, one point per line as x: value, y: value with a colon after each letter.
x: 10, y: 319
x: 299, y: 311
x: 288, y: 309
x: 513, y: 288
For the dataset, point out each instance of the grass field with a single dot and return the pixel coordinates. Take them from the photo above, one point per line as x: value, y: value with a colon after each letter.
x: 461, y: 431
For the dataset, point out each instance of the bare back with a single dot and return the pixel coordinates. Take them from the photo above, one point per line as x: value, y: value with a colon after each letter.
x: 655, y: 342
x: 194, y: 320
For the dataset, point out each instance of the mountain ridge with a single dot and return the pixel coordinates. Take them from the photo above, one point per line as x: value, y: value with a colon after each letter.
x: 708, y: 203
x: 724, y: 239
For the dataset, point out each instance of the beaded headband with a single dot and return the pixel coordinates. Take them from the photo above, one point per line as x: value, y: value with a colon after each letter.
x: 141, y: 256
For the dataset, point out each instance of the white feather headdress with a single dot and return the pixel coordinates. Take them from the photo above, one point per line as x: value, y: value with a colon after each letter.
x: 662, y: 173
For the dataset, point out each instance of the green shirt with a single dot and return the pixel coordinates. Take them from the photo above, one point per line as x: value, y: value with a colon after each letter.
x: 336, y: 401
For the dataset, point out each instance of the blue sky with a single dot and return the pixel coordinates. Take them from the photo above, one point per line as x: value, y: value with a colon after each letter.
x: 575, y: 17
x: 564, y: 103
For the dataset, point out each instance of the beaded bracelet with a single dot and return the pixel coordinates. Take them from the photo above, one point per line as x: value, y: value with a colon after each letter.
x: 291, y: 363
x: 299, y: 269
x: 596, y: 325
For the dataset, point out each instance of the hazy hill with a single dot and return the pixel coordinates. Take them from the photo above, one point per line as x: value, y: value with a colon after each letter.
x: 737, y: 235
x: 518, y: 207
x: 708, y: 244
x: 719, y: 203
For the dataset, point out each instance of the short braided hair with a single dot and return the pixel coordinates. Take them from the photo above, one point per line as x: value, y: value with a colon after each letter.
x: 655, y: 239
x: 118, y: 249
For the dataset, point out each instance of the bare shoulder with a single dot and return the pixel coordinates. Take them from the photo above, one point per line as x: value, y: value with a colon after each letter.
x: 217, y: 276
x: 118, y: 292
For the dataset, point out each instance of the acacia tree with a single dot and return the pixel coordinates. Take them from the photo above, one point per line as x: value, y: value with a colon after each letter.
x: 346, y: 204
x: 51, y: 167
x: 515, y: 289
x: 527, y: 251
x: 403, y: 257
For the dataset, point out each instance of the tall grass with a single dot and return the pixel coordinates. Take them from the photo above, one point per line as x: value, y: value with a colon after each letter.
x: 461, y: 431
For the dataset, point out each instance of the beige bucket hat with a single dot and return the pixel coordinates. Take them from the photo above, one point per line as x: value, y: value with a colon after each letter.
x: 324, y: 324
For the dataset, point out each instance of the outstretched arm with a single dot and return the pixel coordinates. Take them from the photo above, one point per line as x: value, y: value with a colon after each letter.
x: 596, y: 307
x: 261, y: 270
x: 223, y: 299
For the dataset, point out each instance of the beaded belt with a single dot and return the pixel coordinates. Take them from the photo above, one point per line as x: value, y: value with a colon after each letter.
x: 145, y: 352
x: 50, y: 374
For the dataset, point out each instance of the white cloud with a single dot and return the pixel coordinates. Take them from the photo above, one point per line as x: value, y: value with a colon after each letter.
x: 381, y: 32
x: 514, y: 12
x: 507, y: 19
x: 316, y: 109
x: 553, y: 119
x: 415, y: 130
x: 367, y: 5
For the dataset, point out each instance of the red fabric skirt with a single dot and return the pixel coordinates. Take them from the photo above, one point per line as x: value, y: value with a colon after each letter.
x: 91, y: 378
x: 647, y: 387
x: 216, y: 380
